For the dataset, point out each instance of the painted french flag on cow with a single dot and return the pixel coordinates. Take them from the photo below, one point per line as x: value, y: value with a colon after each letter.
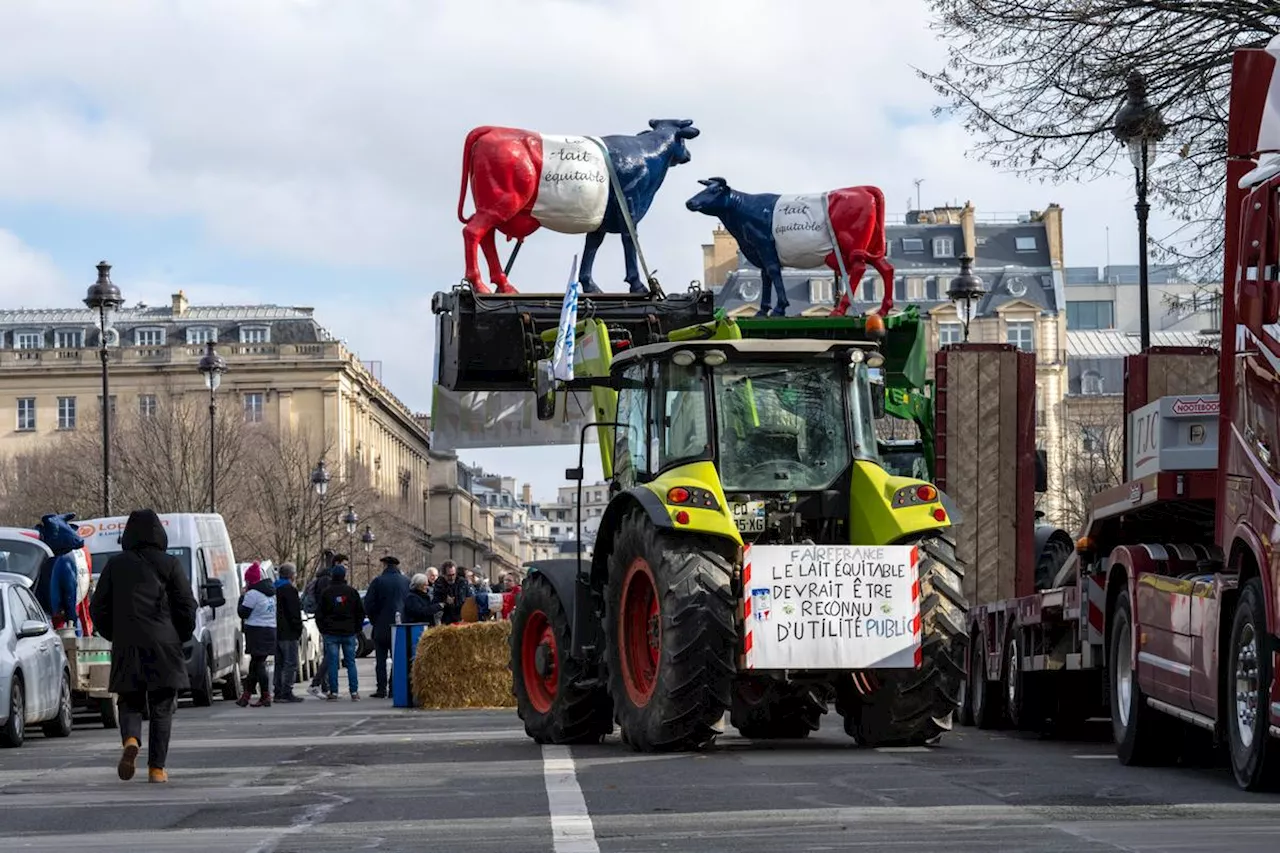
x: 573, y: 184
x: 802, y: 230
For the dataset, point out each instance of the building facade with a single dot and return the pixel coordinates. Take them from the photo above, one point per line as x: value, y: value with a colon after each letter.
x: 1108, y: 298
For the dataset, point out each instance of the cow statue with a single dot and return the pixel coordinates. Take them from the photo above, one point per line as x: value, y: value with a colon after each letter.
x: 802, y: 232
x: 522, y: 180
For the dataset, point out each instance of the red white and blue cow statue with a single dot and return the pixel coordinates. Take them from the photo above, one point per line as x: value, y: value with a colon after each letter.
x: 802, y: 232
x: 522, y: 181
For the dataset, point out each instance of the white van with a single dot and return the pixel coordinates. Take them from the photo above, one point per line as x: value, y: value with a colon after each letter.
x: 215, y: 654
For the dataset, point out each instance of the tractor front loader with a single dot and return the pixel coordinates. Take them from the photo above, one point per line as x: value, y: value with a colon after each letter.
x: 716, y: 438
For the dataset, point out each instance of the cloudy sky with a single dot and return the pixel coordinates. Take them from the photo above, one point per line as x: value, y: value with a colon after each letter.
x: 307, y: 152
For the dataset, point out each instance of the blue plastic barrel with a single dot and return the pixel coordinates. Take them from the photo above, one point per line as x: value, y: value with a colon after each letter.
x: 404, y: 644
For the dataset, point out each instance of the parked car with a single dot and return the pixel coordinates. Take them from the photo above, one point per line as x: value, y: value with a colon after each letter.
x: 215, y: 655
x: 35, y: 679
x: 310, y: 649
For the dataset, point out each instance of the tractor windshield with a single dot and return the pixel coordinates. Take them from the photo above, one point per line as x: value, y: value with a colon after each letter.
x: 781, y: 425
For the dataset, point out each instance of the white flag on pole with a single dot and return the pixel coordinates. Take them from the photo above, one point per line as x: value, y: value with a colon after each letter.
x: 562, y: 355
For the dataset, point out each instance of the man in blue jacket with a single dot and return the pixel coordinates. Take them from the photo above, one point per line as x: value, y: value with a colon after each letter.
x: 58, y: 585
x: 383, y: 601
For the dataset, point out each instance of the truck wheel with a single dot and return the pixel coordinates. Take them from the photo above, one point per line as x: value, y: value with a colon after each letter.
x: 767, y: 708
x: 109, y: 713
x: 554, y: 707
x: 61, y: 725
x: 233, y: 685
x: 916, y: 706
x: 1021, y: 704
x: 202, y: 693
x: 1255, y: 756
x: 986, y: 700
x: 670, y: 636
x: 1139, y: 730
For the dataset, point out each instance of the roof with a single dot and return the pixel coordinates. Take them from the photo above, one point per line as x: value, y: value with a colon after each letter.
x: 136, y: 315
x: 1111, y: 343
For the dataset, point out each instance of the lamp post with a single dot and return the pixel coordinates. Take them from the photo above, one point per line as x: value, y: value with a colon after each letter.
x: 320, y: 482
x: 965, y: 292
x: 104, y: 297
x: 1139, y: 126
x: 212, y: 366
x: 367, y: 538
x: 350, y: 518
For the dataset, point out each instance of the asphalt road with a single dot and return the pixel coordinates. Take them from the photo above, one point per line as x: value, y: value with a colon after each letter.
x: 338, y: 776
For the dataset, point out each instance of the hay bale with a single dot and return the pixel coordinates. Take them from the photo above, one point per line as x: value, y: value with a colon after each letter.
x: 464, y: 666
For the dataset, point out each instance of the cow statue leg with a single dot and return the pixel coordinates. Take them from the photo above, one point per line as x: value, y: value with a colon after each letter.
x: 857, y: 269
x: 496, y: 274
x: 589, y: 249
x: 633, y: 268
x: 476, y: 233
x: 771, y: 281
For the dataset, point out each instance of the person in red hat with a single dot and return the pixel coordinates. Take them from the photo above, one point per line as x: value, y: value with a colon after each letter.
x: 257, y: 608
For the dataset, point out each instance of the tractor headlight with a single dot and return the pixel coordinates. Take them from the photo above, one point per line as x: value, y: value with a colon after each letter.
x: 857, y: 356
x: 714, y: 358
x: 875, y: 359
x: 682, y: 358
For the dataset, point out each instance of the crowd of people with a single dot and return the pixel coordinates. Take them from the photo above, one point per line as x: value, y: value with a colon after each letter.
x: 144, y: 606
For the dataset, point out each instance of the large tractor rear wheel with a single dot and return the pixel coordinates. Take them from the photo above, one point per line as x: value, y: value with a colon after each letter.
x: 767, y: 708
x: 914, y: 707
x: 554, y: 707
x: 669, y: 636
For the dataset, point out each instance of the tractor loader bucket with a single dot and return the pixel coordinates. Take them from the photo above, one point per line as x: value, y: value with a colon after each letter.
x: 492, y: 342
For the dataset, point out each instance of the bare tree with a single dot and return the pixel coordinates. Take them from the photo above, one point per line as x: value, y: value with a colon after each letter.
x: 1039, y: 83
x: 1093, y: 462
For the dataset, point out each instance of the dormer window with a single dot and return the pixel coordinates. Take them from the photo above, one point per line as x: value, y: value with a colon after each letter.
x: 255, y: 334
x: 68, y: 338
x: 28, y: 340
x: 1025, y: 244
x: 202, y: 335
x: 153, y: 337
x: 944, y: 247
x: 912, y: 244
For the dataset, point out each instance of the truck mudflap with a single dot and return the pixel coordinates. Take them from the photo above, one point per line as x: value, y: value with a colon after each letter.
x: 491, y: 342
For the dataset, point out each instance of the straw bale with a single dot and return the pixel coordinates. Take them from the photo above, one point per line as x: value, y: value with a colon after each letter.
x: 464, y: 666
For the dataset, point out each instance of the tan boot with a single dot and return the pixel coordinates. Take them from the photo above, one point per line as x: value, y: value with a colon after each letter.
x: 128, y: 760
x: 156, y: 774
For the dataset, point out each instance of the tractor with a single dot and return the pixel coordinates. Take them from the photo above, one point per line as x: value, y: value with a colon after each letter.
x: 715, y: 436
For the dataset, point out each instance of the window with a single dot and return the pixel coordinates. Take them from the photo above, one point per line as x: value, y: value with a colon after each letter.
x: 1093, y: 439
x: 112, y: 404
x: 1098, y: 314
x: 147, y: 405
x: 26, y: 601
x: 1091, y: 382
x: 912, y: 244
x: 28, y: 340
x: 900, y: 289
x: 950, y: 333
x: 149, y: 337
x: 202, y: 335
x: 931, y: 288
x: 1024, y: 244
x: 1022, y: 334
x: 66, y: 413
x: 254, y: 407
x: 255, y: 335
x: 820, y: 291
x: 26, y: 413
x: 944, y: 247
x: 68, y: 339
x: 681, y: 424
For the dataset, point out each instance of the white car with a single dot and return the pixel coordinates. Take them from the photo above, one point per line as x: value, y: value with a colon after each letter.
x: 35, y: 680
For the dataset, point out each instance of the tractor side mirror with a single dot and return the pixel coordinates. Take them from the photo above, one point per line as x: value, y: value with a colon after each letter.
x: 877, y: 400
x: 1042, y: 471
x: 544, y: 385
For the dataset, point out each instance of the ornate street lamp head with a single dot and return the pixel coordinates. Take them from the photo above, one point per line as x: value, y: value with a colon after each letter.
x: 320, y: 478
x: 966, y: 292
x: 367, y: 538
x: 212, y: 366
x: 103, y: 295
x: 350, y: 519
x: 1138, y: 122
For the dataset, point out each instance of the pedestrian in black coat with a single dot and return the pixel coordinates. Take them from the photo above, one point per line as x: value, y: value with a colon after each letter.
x: 289, y: 629
x: 451, y: 591
x: 143, y: 604
x: 383, y: 601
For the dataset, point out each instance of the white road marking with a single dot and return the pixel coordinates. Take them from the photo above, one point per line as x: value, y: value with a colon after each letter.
x: 1096, y: 757
x: 571, y: 828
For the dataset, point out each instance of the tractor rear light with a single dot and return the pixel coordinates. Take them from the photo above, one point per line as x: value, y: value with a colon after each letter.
x: 682, y: 517
x: 692, y: 496
x: 939, y: 514
x: 677, y: 495
x: 927, y: 493
x: 1084, y: 545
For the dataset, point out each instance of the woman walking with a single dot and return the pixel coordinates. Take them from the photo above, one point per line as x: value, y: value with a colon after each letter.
x: 144, y: 606
x: 258, y: 610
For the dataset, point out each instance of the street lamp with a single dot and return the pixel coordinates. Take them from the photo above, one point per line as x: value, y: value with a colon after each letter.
x: 320, y: 482
x: 368, y: 538
x: 965, y: 292
x: 212, y: 366
x: 104, y: 297
x: 1139, y: 126
x: 350, y: 519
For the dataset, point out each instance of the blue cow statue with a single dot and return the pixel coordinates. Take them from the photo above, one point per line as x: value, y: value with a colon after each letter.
x: 522, y: 180
x: 803, y: 232
x: 57, y: 587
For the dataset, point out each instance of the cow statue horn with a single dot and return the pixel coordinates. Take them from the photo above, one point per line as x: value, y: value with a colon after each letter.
x: 714, y: 182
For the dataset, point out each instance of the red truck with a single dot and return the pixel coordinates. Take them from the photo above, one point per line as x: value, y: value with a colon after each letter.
x: 1165, y: 617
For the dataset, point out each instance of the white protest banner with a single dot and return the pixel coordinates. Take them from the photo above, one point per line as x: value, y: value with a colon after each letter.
x: 831, y: 606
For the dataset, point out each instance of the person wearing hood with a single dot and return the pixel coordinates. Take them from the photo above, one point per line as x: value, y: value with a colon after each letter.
x: 257, y: 608
x: 58, y: 585
x: 143, y: 605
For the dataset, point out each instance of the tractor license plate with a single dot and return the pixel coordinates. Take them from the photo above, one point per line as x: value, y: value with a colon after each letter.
x: 749, y: 516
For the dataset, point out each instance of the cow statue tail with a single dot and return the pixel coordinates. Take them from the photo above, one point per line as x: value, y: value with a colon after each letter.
x: 879, y: 248
x: 472, y: 138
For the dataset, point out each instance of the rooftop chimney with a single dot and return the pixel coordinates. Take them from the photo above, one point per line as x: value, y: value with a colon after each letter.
x: 179, y: 304
x: 527, y: 494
